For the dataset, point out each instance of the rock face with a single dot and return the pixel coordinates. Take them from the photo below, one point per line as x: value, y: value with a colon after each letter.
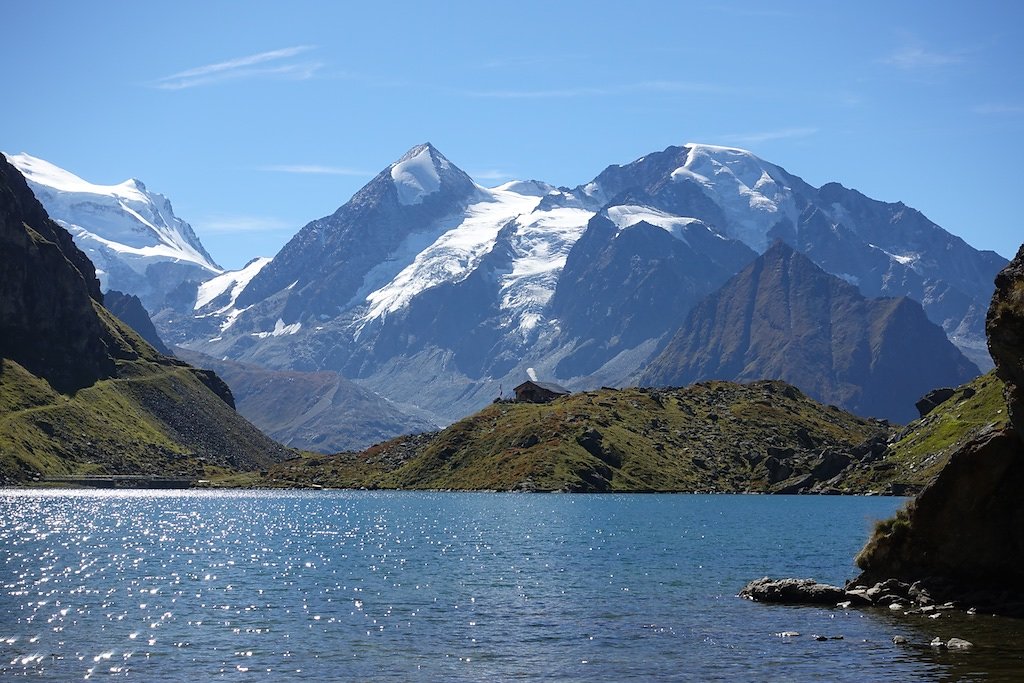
x: 129, y: 310
x: 933, y: 399
x: 622, y: 287
x: 47, y: 292
x: 963, y: 535
x: 79, y: 389
x: 783, y: 317
x: 1005, y: 326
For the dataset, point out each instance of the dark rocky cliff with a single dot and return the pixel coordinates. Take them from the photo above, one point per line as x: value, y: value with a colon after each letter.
x: 963, y: 537
x: 1005, y: 327
x: 47, y: 291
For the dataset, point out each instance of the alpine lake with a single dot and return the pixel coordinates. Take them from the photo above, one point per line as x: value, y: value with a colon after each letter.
x: 404, y: 586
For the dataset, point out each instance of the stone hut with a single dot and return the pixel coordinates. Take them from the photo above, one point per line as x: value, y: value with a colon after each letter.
x: 539, y: 392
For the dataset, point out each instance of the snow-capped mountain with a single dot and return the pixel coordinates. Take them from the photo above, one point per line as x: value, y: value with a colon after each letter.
x: 884, y: 249
x: 131, y: 234
x: 438, y: 292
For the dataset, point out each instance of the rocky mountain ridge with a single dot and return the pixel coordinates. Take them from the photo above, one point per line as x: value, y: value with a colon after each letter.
x: 784, y: 317
x: 314, y: 411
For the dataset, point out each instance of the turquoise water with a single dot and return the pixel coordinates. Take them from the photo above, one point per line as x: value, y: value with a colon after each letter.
x: 450, y: 586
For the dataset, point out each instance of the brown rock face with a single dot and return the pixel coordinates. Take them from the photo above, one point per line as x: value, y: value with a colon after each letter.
x: 967, y: 528
x: 1005, y: 328
x: 964, y: 535
x: 784, y: 317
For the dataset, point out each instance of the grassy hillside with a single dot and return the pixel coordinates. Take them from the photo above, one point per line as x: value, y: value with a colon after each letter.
x: 712, y: 436
x: 918, y: 452
x: 156, y: 416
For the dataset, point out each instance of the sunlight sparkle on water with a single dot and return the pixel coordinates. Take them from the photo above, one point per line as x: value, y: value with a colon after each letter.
x: 397, y: 586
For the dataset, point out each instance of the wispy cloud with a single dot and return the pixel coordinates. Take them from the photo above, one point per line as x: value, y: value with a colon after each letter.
x: 313, y: 169
x: 600, y: 91
x: 223, y: 225
x: 273, y: 64
x: 996, y: 108
x: 769, y: 135
x: 490, y: 174
x: 912, y: 57
x: 526, y: 62
x: 758, y: 13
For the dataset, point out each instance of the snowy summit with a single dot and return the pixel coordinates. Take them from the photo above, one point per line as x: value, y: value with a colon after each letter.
x: 417, y: 174
x: 131, y: 234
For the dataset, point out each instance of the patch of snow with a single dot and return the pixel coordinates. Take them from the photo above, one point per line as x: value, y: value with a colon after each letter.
x: 909, y: 259
x: 528, y: 321
x: 446, y: 253
x: 595, y: 191
x: 44, y: 173
x: 530, y: 188
x: 280, y: 329
x: 628, y: 215
x: 416, y: 177
x: 540, y: 244
x: 852, y: 279
x: 230, y: 316
x: 532, y: 374
x: 233, y: 280
x: 752, y: 193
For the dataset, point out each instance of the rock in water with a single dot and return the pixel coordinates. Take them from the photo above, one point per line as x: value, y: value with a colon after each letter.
x: 959, y: 644
x: 792, y: 591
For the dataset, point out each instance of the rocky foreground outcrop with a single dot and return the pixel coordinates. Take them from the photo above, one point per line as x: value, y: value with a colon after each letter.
x: 1005, y: 327
x: 963, y: 537
x: 961, y: 541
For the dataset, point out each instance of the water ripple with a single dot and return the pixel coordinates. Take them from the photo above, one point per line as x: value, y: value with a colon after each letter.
x: 404, y: 586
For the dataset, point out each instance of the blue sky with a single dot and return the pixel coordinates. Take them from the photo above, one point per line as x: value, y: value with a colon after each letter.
x: 256, y: 117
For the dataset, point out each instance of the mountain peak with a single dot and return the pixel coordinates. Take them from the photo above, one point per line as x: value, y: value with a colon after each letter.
x: 779, y: 249
x: 422, y: 171
x: 46, y: 174
x: 419, y: 149
x: 784, y: 317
